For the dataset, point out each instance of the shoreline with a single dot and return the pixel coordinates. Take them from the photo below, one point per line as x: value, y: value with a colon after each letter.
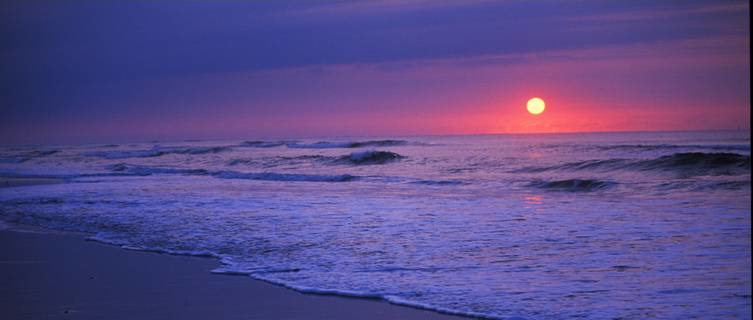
x: 61, y: 275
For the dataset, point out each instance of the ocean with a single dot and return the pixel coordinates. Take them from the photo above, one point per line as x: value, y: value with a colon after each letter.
x: 540, y: 226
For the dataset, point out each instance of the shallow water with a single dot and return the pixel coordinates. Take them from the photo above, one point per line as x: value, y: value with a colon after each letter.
x: 630, y: 225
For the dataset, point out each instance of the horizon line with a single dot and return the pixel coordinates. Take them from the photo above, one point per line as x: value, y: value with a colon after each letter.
x: 144, y: 141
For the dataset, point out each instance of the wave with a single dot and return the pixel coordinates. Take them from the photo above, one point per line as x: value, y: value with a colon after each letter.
x: 698, y: 161
x: 704, y: 185
x: 356, y: 158
x: 26, y: 156
x: 371, y: 157
x: 649, y: 147
x: 271, y: 176
x: 729, y: 185
x: 279, y: 160
x: 688, y: 164
x: 264, y: 144
x: 352, y: 144
x: 574, y: 185
x: 156, y: 152
x: 654, y: 147
x: 125, y: 154
x: 126, y: 169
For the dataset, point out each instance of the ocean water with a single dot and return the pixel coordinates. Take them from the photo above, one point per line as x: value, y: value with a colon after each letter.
x: 551, y: 226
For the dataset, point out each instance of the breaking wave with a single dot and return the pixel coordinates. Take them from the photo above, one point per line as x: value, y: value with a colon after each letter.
x: 371, y: 157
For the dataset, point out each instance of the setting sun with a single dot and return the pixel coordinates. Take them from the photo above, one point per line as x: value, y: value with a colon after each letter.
x: 536, y: 105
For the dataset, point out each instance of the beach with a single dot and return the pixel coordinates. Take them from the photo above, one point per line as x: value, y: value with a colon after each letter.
x: 61, y: 276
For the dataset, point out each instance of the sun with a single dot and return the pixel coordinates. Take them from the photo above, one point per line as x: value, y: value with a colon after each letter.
x: 536, y: 105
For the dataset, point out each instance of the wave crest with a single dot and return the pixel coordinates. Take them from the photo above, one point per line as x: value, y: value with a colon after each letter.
x: 371, y: 157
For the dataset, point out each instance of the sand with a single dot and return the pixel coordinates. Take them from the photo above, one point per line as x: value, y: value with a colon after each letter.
x: 61, y: 276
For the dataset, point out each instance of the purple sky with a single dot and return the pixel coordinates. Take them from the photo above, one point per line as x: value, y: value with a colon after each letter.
x: 109, y: 71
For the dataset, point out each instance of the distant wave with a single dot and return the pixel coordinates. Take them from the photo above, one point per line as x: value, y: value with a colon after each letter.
x: 264, y: 144
x: 26, y: 156
x: 722, y: 147
x: 156, y: 152
x: 125, y: 154
x: 575, y: 185
x: 654, y: 147
x: 126, y: 169
x: 322, y: 144
x: 371, y: 157
x: 352, y: 144
x: 279, y: 160
x: 647, y: 147
x: 161, y: 151
x: 689, y: 163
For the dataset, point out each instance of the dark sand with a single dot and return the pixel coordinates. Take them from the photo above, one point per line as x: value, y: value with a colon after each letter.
x: 55, y: 276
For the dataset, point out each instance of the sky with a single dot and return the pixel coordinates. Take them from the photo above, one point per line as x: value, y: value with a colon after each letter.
x: 112, y: 71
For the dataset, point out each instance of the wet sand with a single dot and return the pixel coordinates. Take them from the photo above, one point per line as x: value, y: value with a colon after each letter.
x: 61, y: 276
